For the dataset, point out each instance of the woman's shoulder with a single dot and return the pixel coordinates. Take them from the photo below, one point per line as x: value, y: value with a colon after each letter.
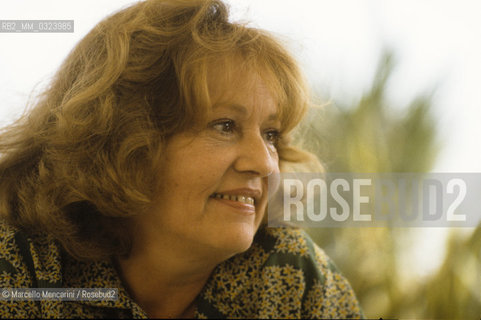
x: 284, y: 274
x: 25, y: 262
x: 295, y: 247
x: 28, y: 260
x: 327, y: 293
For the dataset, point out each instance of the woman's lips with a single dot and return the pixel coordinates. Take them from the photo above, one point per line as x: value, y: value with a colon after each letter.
x: 242, y: 204
x: 239, y: 198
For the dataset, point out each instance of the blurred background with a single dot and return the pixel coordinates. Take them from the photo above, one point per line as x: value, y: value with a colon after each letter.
x: 399, y: 82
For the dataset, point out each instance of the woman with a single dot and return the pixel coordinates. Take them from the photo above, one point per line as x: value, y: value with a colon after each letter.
x: 144, y: 167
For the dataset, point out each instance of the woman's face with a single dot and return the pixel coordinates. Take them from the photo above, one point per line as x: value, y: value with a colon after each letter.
x: 214, y: 192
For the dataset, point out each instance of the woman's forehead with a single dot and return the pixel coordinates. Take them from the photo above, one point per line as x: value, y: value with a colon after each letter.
x: 233, y: 82
x: 245, y: 97
x: 224, y: 80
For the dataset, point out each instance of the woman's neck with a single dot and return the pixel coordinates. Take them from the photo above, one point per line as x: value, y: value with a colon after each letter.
x: 164, y: 281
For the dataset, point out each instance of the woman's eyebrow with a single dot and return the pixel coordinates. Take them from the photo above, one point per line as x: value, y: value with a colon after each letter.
x: 241, y: 110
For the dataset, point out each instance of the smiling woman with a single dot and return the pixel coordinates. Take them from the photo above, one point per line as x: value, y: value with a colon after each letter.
x: 144, y: 168
x: 216, y: 174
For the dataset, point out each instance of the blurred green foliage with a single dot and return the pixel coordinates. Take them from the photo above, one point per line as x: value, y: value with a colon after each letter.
x: 371, y: 136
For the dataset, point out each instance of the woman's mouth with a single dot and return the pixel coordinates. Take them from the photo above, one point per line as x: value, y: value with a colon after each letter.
x: 238, y: 198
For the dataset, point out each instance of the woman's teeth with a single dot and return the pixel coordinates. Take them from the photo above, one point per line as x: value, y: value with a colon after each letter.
x: 243, y: 199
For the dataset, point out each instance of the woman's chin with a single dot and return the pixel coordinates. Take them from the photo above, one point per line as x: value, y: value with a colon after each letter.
x: 235, y: 241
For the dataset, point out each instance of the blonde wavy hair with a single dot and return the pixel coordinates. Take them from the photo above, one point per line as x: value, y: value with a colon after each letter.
x: 85, y: 159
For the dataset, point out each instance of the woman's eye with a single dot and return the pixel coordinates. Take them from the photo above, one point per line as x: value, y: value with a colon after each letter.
x: 225, y: 126
x: 273, y: 136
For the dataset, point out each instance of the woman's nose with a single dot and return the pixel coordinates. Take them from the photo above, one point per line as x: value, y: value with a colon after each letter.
x: 256, y: 156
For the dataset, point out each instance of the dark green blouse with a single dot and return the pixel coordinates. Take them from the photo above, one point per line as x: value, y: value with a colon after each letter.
x: 283, y: 275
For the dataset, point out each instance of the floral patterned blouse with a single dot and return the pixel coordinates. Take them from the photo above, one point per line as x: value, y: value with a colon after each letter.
x: 283, y: 275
